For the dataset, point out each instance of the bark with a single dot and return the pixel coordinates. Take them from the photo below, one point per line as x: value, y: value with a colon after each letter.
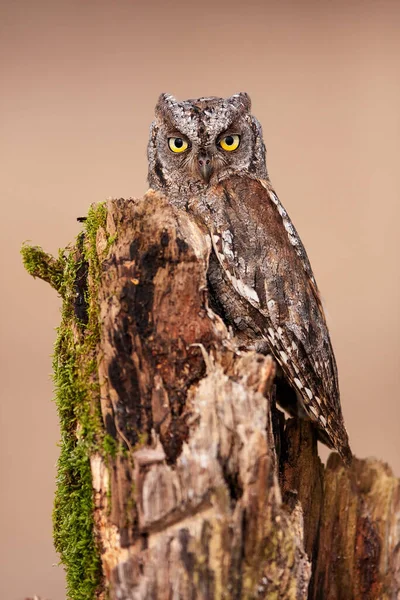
x: 208, y: 491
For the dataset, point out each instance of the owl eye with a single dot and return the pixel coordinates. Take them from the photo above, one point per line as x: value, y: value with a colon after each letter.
x: 177, y: 144
x: 229, y: 142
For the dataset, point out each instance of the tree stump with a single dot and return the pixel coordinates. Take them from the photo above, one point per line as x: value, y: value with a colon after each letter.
x: 178, y: 477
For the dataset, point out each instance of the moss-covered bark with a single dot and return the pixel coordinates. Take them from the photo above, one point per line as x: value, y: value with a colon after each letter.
x: 76, y: 276
x: 177, y: 476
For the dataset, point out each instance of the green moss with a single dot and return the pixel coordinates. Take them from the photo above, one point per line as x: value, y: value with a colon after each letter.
x: 111, y: 241
x: 73, y: 506
x: 110, y: 446
x: 77, y: 396
x: 40, y: 264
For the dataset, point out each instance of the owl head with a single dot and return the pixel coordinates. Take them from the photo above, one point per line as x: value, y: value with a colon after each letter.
x: 196, y: 143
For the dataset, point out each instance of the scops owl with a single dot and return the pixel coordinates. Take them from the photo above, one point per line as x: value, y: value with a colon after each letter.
x: 208, y: 157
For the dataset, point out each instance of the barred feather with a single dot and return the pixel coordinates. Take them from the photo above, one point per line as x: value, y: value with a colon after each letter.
x: 266, y: 264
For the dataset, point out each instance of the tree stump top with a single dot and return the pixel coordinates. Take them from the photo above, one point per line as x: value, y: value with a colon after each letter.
x: 178, y: 477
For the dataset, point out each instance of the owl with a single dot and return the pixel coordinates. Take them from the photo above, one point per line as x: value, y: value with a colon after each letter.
x: 207, y: 156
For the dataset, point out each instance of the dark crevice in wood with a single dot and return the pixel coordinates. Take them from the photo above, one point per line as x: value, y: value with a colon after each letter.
x: 81, y: 284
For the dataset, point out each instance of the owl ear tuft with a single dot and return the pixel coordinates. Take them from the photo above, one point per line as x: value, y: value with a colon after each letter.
x: 241, y: 101
x: 164, y: 105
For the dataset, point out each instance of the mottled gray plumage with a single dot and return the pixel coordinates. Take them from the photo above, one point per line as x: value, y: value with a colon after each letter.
x: 259, y: 272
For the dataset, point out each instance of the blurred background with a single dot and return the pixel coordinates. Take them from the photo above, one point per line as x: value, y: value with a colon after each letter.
x: 79, y: 81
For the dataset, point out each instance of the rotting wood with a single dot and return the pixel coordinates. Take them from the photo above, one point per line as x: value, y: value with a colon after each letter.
x: 195, y: 500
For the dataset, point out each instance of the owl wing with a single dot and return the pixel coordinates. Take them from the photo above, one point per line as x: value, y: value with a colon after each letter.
x: 262, y: 256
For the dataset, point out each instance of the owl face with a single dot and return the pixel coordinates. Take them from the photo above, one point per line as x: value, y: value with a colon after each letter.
x: 196, y: 143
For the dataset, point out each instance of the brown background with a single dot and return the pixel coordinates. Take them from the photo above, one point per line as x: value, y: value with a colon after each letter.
x: 79, y: 80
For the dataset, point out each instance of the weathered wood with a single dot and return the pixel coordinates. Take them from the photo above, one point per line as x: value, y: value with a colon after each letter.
x: 206, y: 513
x: 359, y: 537
x: 302, y: 477
x: 201, y: 488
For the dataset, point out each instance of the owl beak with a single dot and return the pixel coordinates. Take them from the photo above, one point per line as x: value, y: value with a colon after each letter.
x: 205, y: 166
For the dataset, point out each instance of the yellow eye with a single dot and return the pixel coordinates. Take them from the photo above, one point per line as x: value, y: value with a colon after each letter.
x: 230, y: 142
x: 177, y: 144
